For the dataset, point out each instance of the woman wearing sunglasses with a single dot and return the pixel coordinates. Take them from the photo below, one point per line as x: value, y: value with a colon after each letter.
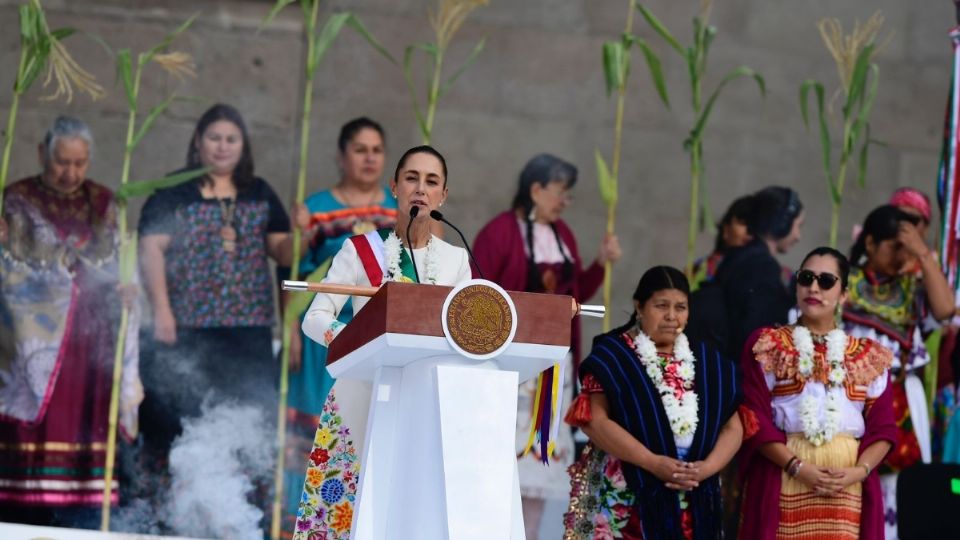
x: 817, y: 417
x: 897, y: 308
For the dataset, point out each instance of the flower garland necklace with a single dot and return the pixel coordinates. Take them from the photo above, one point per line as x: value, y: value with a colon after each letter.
x: 813, y: 430
x: 393, y: 247
x: 682, y: 412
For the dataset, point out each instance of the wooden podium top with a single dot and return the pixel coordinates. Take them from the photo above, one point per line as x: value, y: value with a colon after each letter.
x: 410, y: 308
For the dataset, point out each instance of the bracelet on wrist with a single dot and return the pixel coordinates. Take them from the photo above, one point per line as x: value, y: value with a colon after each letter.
x: 795, y: 468
x: 866, y: 467
x: 790, y: 463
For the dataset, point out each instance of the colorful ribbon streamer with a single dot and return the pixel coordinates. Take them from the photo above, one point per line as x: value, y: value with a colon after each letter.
x: 545, y: 416
x: 948, y: 186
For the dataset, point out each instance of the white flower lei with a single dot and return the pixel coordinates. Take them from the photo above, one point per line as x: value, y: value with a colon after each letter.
x: 393, y: 245
x: 682, y: 413
x: 816, y: 433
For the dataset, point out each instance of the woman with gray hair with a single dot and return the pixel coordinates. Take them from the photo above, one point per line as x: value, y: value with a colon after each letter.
x: 529, y: 248
x: 58, y: 278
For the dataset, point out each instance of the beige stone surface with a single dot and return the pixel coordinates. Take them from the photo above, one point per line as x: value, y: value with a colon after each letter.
x: 538, y: 86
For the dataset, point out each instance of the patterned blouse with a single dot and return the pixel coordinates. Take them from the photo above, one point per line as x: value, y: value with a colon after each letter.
x: 209, y: 286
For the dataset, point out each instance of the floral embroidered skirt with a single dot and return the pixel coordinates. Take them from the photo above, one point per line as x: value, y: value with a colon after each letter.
x: 333, y: 468
x: 601, y: 504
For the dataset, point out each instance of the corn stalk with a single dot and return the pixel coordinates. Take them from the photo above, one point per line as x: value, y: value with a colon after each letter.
x: 317, y: 45
x: 859, y: 78
x: 41, y: 48
x: 445, y: 23
x: 177, y: 64
x: 695, y: 57
x: 616, y: 69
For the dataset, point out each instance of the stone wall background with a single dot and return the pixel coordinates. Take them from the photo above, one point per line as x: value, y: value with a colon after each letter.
x: 537, y: 87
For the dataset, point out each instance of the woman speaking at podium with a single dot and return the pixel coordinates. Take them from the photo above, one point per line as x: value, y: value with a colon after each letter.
x: 333, y: 468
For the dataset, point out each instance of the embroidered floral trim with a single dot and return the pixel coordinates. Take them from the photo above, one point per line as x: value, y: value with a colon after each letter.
x: 865, y: 360
x: 681, y: 407
x: 332, y: 332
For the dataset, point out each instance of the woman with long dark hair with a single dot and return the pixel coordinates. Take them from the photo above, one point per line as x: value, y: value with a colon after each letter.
x: 660, y: 414
x: 205, y: 250
x: 893, y: 303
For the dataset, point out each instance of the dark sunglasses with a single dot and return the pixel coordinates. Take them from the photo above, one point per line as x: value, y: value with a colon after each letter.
x: 805, y: 278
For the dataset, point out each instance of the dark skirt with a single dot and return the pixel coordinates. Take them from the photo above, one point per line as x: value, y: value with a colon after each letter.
x: 213, y: 364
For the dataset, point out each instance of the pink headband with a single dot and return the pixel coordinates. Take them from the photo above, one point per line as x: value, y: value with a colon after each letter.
x: 912, y: 198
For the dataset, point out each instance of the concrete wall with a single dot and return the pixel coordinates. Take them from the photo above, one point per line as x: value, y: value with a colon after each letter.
x: 538, y: 86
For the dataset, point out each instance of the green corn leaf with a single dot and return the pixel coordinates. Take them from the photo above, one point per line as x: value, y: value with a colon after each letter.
x: 155, y: 112
x: 35, y: 65
x: 61, y: 34
x: 408, y: 76
x: 613, y: 58
x: 822, y: 117
x: 659, y: 28
x: 145, y: 188
x: 329, y: 32
x: 167, y: 40
x: 691, y: 59
x: 862, y: 161
x: 470, y: 59
x: 866, y: 106
x: 835, y: 195
x: 125, y: 72
x: 354, y: 22
x: 858, y: 80
x: 742, y: 71
x: 709, y: 33
x: 607, y: 184
x: 656, y: 70
x: 27, y: 23
x: 277, y: 8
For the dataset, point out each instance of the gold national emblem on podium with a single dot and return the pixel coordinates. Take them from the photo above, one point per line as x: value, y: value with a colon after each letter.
x: 479, y: 319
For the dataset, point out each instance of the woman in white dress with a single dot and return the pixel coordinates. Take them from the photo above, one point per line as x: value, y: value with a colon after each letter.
x: 333, y: 468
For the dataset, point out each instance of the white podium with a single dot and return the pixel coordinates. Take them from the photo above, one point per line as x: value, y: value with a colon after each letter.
x: 439, y: 458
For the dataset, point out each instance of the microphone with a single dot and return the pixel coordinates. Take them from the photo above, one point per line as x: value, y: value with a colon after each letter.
x: 435, y: 214
x: 414, y: 210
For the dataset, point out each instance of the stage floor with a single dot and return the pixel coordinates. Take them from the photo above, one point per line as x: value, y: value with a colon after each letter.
x: 16, y: 531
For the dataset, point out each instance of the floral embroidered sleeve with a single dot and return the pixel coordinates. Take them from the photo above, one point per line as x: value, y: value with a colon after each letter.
x: 579, y: 414
x: 332, y: 332
x: 320, y: 322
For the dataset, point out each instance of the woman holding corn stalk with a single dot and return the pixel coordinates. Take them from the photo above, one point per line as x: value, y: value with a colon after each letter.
x: 205, y: 246
x: 358, y: 204
x: 59, y: 268
x: 896, y: 307
x: 530, y: 248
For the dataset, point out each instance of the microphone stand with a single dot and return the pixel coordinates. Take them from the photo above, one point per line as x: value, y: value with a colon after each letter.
x: 435, y: 214
x: 414, y: 210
